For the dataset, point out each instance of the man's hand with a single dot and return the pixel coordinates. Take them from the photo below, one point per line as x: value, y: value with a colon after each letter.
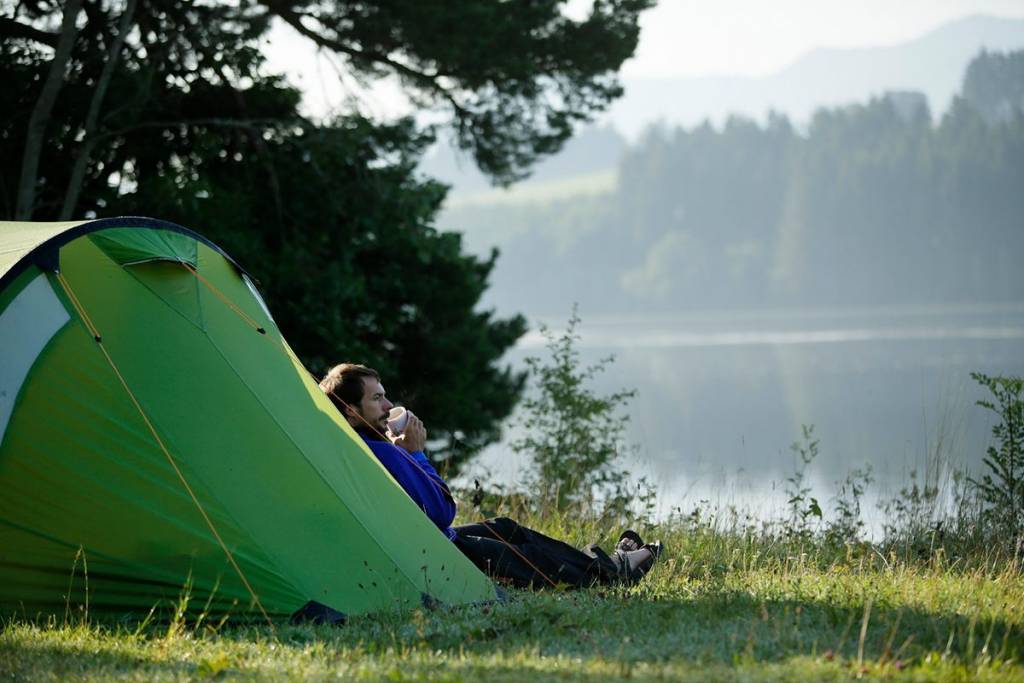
x: 414, y: 436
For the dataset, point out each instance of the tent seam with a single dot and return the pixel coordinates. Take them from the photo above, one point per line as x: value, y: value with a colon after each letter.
x: 363, y: 448
x: 156, y: 436
x: 162, y: 300
x: 312, y: 466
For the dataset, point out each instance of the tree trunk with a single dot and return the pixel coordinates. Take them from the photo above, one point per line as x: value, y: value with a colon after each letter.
x: 88, y: 141
x: 256, y: 138
x: 35, y: 134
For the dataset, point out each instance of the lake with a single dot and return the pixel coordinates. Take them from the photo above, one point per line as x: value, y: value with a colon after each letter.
x: 722, y: 396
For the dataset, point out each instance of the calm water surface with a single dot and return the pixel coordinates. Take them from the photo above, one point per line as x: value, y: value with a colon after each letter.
x: 722, y: 396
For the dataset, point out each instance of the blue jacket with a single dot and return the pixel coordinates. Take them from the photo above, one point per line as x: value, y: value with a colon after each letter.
x: 417, y: 476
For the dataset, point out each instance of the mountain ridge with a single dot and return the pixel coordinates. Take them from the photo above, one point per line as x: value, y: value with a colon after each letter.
x: 932, y: 64
x: 823, y: 77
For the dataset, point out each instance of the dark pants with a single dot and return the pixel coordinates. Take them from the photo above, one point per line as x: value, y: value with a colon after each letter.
x: 504, y: 550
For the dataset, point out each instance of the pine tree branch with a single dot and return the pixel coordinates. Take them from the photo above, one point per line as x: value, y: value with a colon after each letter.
x: 430, y: 80
x: 10, y: 28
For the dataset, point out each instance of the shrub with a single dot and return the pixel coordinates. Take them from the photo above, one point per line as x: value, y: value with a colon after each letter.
x: 1001, y: 487
x: 848, y: 526
x: 574, y: 437
x: 802, y: 506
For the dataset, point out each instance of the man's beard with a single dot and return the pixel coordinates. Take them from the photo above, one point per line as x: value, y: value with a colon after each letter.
x: 381, y: 426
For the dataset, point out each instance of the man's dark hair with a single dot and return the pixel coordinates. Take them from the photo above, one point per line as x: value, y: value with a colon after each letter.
x: 345, y: 381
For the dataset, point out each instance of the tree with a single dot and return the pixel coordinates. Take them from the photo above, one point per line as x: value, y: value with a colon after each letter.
x: 513, y: 77
x: 994, y: 85
x: 166, y: 108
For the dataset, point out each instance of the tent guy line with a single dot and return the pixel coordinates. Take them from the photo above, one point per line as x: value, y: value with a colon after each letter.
x: 238, y: 311
x: 279, y: 344
x: 317, y: 527
x: 232, y: 305
x: 248, y: 320
x: 152, y: 430
x: 448, y: 493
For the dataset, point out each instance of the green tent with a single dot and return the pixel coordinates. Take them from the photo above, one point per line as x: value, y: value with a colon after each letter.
x: 159, y: 438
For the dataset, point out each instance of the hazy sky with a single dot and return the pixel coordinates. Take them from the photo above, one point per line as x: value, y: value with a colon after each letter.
x: 695, y: 38
x: 758, y: 37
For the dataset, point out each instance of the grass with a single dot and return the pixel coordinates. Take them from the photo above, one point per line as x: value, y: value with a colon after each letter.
x: 725, y: 604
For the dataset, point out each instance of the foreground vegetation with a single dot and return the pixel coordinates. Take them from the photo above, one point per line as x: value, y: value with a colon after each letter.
x: 800, y: 597
x: 724, y: 604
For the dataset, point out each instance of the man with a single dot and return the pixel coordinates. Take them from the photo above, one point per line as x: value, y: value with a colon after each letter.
x: 500, y: 547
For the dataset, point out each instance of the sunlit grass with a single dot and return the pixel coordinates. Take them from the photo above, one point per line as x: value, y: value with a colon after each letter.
x: 723, y: 605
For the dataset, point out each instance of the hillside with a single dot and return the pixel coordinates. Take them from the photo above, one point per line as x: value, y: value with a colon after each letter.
x: 870, y: 204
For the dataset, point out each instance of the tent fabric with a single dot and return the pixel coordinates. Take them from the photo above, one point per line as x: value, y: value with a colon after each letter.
x: 302, y: 506
x: 23, y: 245
x: 130, y: 245
x: 18, y: 239
x: 26, y: 325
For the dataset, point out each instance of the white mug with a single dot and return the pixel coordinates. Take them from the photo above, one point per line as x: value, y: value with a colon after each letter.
x: 398, y: 418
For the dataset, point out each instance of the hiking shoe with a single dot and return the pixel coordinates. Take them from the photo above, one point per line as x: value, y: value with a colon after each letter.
x: 631, y: 567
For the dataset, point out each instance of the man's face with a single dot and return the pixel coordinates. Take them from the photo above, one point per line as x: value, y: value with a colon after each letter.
x: 374, y: 407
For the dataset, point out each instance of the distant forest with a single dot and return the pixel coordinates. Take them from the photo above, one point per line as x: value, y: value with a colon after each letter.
x: 872, y: 204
